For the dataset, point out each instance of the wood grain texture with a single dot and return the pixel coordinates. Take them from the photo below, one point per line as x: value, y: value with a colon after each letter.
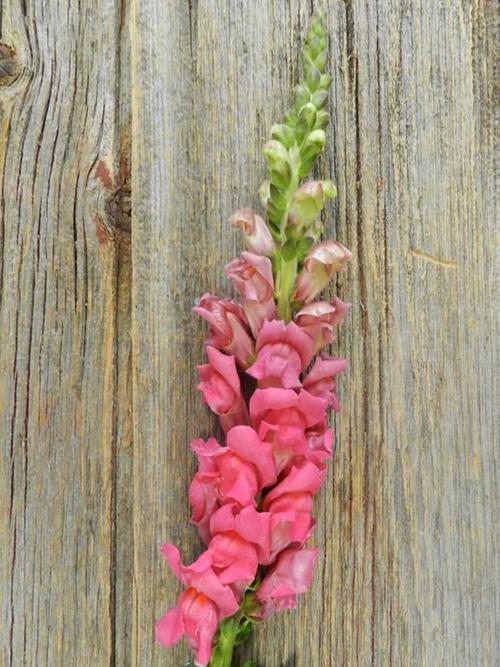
x: 64, y: 354
x: 99, y: 344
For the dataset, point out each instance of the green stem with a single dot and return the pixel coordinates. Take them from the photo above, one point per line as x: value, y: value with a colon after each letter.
x: 222, y: 655
x: 285, y: 281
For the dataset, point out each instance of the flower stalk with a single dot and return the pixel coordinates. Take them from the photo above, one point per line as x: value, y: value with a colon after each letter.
x: 252, y: 496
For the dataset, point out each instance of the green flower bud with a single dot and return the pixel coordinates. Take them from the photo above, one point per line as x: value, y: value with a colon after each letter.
x: 320, y: 98
x: 325, y: 81
x: 322, y: 120
x: 313, y: 144
x: 276, y: 155
x: 313, y: 78
x: 301, y: 96
x: 283, y: 134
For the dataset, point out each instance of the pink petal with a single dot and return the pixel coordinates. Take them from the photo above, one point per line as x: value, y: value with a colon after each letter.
x: 169, y: 629
x: 246, y: 443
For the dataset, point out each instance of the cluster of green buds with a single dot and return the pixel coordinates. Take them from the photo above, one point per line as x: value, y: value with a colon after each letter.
x: 293, y: 211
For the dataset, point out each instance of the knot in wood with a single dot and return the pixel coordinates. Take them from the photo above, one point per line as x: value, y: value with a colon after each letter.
x: 10, y: 68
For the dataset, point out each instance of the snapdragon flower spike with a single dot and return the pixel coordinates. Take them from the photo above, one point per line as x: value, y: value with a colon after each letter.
x: 252, y: 496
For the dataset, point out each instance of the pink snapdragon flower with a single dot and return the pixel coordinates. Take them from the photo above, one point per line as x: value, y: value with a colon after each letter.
x: 228, y: 327
x: 221, y: 389
x: 285, y: 418
x: 258, y: 238
x: 320, y: 264
x: 232, y: 474
x: 199, y: 608
x: 283, y: 351
x: 319, y: 318
x: 320, y: 381
x: 291, y: 574
x: 195, y: 616
x: 253, y: 276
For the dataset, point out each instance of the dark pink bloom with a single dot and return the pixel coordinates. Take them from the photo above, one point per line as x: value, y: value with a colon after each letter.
x: 258, y: 238
x: 253, y: 276
x: 319, y: 318
x: 291, y: 574
x: 196, y: 617
x: 232, y: 474
x: 201, y: 576
x: 283, y: 351
x: 228, y: 327
x: 250, y: 524
x: 221, y: 389
x: 306, y: 478
x: 320, y: 381
x: 285, y: 418
x: 320, y: 264
x: 199, y: 608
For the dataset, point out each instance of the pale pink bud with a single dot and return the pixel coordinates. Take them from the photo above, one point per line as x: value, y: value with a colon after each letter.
x: 253, y: 276
x: 228, y: 328
x: 258, y: 238
x: 320, y: 264
x: 318, y: 319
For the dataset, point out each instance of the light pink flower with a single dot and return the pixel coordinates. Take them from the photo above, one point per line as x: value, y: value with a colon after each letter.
x: 221, y: 389
x: 284, y: 418
x: 320, y: 264
x: 258, y: 238
x: 228, y: 327
x: 232, y: 474
x: 319, y: 318
x: 253, y: 276
x: 196, y: 617
x: 320, y: 380
x: 291, y: 574
x: 283, y: 351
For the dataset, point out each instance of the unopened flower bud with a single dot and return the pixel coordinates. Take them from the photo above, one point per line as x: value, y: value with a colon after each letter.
x: 320, y: 264
x: 258, y: 238
x: 307, y: 203
x: 276, y: 154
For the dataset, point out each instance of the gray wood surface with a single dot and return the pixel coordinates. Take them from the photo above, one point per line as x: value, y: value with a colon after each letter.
x: 164, y: 105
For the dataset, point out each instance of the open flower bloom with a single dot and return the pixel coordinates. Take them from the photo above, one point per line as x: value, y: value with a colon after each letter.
x: 199, y: 608
x: 319, y: 318
x: 320, y: 380
x: 283, y: 351
x: 250, y: 524
x: 291, y: 574
x: 196, y: 617
x: 232, y: 474
x: 228, y: 327
x: 320, y: 264
x: 253, y: 276
x: 284, y: 418
x: 258, y: 238
x: 221, y: 389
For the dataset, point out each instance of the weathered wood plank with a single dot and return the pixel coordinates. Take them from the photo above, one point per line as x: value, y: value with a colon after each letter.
x: 406, y: 522
x: 65, y: 285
